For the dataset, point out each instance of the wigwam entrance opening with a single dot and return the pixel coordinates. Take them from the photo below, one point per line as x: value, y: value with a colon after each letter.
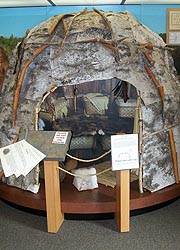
x: 93, y: 111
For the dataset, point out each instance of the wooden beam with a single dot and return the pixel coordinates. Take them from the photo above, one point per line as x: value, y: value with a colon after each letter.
x: 122, y: 214
x: 55, y: 217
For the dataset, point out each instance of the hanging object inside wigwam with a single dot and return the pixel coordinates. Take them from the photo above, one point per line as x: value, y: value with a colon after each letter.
x: 121, y: 90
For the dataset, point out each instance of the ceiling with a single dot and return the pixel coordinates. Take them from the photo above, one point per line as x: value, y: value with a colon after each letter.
x: 29, y: 3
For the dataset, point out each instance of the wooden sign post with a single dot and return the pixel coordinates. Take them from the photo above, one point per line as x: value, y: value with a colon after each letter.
x: 55, y: 216
x: 125, y: 156
x: 122, y: 213
x: 55, y: 146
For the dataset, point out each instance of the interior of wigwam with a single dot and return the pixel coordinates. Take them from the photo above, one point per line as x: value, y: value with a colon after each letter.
x: 92, y: 111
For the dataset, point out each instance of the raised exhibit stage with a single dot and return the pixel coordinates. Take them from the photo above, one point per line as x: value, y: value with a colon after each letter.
x: 97, y: 201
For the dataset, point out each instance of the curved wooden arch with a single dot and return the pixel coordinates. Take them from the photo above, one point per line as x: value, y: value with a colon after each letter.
x: 36, y: 52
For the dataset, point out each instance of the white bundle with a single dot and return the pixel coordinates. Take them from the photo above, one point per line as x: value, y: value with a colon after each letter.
x: 85, y: 182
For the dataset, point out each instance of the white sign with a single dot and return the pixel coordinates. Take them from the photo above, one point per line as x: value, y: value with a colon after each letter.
x: 60, y: 137
x: 19, y: 158
x: 174, y: 37
x: 124, y: 151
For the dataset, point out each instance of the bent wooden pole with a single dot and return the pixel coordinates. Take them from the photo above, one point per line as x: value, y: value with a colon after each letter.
x: 148, y: 57
x: 156, y: 83
x: 18, y: 89
x: 174, y: 154
x: 36, y: 52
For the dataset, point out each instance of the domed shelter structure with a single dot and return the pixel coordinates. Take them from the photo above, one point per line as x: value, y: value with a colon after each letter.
x: 74, y: 60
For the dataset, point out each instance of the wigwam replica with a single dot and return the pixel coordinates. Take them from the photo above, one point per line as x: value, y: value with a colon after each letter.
x: 96, y: 73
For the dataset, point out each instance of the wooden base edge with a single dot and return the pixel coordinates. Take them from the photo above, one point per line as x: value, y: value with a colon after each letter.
x: 101, y: 200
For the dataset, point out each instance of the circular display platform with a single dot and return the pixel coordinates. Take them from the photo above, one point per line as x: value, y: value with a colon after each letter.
x: 100, y: 200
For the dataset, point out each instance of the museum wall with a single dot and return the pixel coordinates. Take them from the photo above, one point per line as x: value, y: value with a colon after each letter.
x: 15, y: 21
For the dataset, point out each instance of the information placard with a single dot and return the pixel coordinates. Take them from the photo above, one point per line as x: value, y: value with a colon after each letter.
x: 124, y: 151
x: 173, y: 26
x: 60, y: 137
x: 19, y: 158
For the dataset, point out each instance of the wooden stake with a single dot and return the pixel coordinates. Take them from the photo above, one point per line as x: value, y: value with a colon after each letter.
x: 174, y: 155
x: 156, y: 83
x: 148, y: 57
x: 140, y: 132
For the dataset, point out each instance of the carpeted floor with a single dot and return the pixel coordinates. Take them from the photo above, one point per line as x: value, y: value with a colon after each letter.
x: 155, y: 230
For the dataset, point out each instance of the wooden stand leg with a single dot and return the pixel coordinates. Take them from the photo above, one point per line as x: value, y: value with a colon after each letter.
x: 55, y: 217
x: 122, y: 214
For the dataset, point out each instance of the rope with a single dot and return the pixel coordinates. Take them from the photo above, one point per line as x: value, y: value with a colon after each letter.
x: 90, y: 160
x: 82, y: 160
x: 87, y: 175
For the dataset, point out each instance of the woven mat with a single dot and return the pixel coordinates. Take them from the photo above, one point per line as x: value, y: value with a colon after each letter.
x: 109, y: 178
